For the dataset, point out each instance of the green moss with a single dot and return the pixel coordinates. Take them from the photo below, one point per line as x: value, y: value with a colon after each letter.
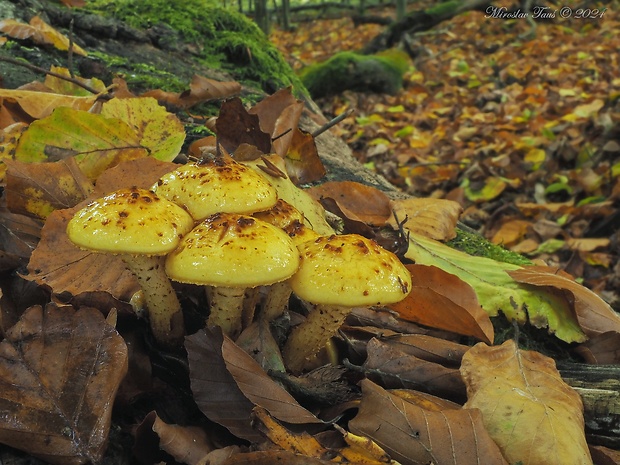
x: 381, y: 73
x: 227, y: 40
x: 473, y: 244
x: 443, y: 8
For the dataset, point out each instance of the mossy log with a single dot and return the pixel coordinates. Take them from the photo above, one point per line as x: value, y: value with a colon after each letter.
x: 161, y: 56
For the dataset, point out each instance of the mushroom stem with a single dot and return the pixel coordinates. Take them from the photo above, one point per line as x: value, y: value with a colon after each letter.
x: 164, y: 309
x: 226, y: 309
x: 307, y: 339
x: 276, y: 300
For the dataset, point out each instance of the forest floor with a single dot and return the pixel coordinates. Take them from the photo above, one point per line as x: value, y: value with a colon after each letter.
x: 523, y: 131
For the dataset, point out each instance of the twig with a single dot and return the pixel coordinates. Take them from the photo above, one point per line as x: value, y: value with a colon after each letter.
x: 70, y: 55
x: 52, y: 73
x: 331, y: 123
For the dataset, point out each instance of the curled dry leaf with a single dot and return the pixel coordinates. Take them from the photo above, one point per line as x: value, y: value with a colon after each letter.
x: 595, y: 316
x: 302, y: 158
x: 415, y: 436
x: 394, y: 368
x: 603, y: 349
x: 142, y: 173
x: 187, y: 444
x: 441, y: 300
x: 19, y: 235
x: 227, y: 384
x: 40, y: 32
x: 529, y: 411
x: 60, y: 370
x: 431, y: 349
x: 37, y: 189
x: 433, y: 218
x: 357, y: 201
x: 201, y: 89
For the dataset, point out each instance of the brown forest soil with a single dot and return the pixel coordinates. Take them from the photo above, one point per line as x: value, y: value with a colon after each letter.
x: 523, y: 132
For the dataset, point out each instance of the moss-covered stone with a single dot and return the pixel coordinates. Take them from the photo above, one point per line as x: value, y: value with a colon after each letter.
x: 381, y: 73
x: 221, y: 38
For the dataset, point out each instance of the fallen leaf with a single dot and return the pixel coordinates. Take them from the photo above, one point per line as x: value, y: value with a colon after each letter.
x: 302, y: 158
x: 414, y: 436
x: 270, y: 109
x: 60, y: 370
x: 19, y: 236
x: 77, y: 275
x: 529, y: 411
x: 603, y: 349
x: 595, y: 316
x: 41, y: 104
x: 396, y: 369
x: 37, y: 189
x: 201, y: 89
x: 357, y: 201
x: 235, y: 126
x: 158, y: 130
x: 96, y: 142
x: 227, y: 384
x: 429, y: 348
x: 187, y: 444
x: 497, y: 291
x: 441, y: 300
x: 141, y: 172
x: 40, y: 33
x: 433, y: 218
x: 68, y: 87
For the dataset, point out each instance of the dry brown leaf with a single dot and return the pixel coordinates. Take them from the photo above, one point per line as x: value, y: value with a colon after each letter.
x: 286, y: 132
x: 595, y: 316
x: 271, y: 457
x: 431, y: 349
x: 141, y: 172
x: 187, y: 444
x: 441, y: 300
x: 81, y: 276
x: 425, y: 401
x: 201, y: 89
x: 37, y: 189
x: 414, y: 436
x: 357, y: 201
x: 60, y: 370
x: 235, y: 126
x: 432, y: 218
x: 395, y: 369
x: 302, y: 158
x: 227, y: 384
x: 530, y: 412
x: 19, y: 235
x: 270, y: 109
x: 603, y: 349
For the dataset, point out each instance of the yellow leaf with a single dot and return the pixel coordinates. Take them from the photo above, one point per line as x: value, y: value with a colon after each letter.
x: 159, y: 131
x: 529, y: 411
x: 41, y: 104
x: 433, y: 218
x: 96, y: 142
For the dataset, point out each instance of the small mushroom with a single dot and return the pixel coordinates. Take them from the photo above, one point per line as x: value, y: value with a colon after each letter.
x: 217, y: 184
x: 337, y: 273
x: 286, y: 217
x: 140, y: 227
x: 230, y: 253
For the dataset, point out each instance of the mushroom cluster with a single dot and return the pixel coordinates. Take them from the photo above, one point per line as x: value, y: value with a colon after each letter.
x: 222, y: 225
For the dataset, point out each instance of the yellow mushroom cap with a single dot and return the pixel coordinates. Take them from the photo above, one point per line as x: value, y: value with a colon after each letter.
x: 349, y: 270
x: 130, y: 221
x: 217, y: 185
x: 233, y: 250
x: 281, y: 214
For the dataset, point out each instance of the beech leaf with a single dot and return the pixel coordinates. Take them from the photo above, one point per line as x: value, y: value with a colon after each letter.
x: 158, y: 130
x: 42, y: 104
x: 529, y: 411
x: 595, y: 316
x: 433, y: 218
x: 497, y: 291
x: 442, y: 300
x: 60, y: 370
x: 37, y: 189
x: 415, y: 436
x: 96, y: 142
